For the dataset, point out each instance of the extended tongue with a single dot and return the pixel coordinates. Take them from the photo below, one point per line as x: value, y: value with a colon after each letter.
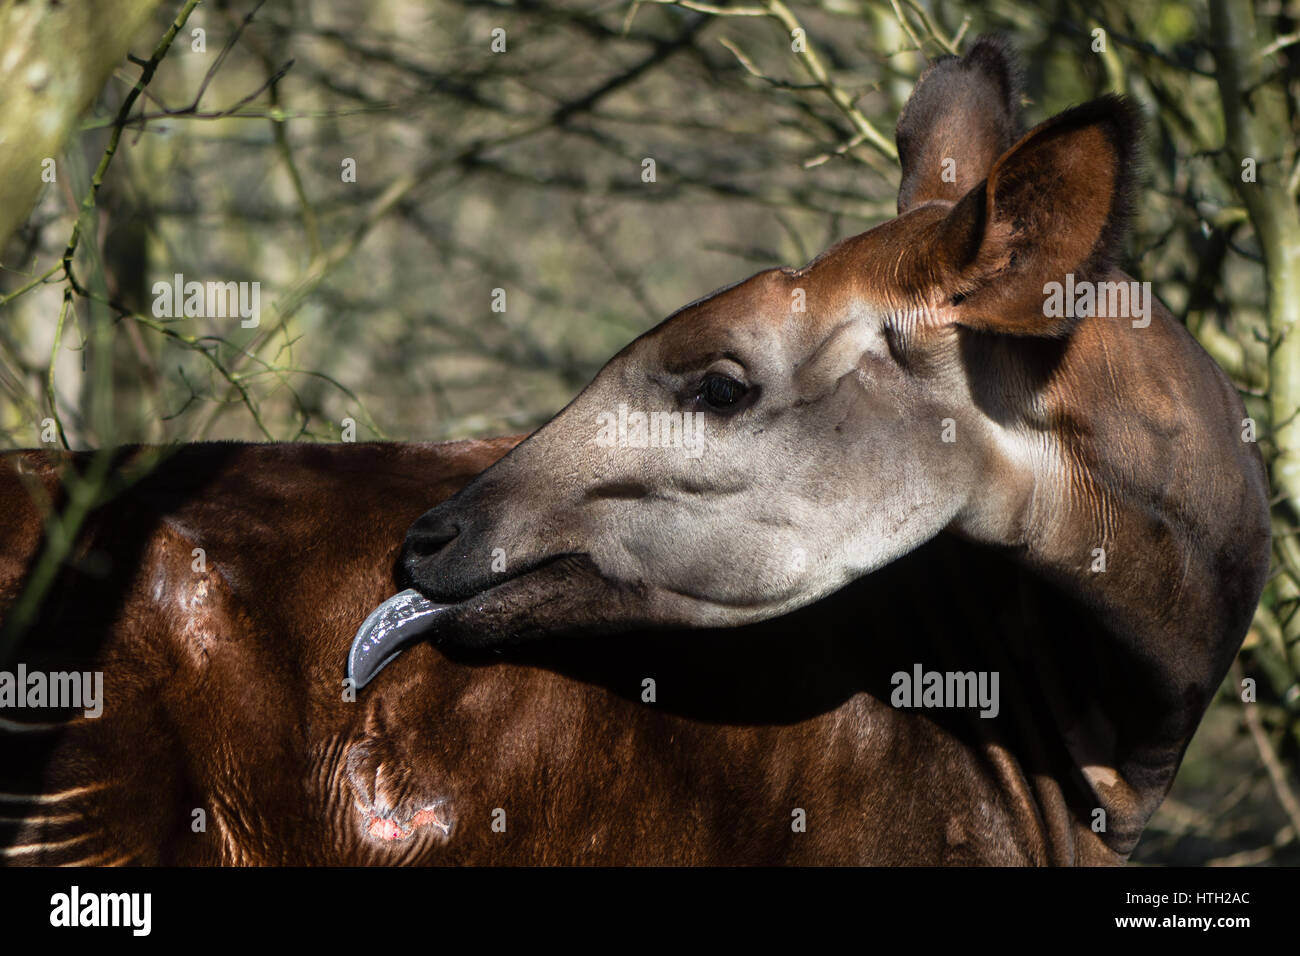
x: 387, y: 630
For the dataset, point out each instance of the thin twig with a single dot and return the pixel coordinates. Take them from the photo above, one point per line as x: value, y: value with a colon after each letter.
x: 1286, y: 798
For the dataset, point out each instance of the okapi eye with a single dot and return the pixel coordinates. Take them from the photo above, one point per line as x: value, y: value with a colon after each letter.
x: 721, y: 391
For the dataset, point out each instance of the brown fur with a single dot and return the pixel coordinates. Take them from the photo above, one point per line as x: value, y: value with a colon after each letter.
x: 224, y: 687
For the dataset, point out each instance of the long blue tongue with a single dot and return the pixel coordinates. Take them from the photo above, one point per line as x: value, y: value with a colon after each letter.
x: 387, y: 630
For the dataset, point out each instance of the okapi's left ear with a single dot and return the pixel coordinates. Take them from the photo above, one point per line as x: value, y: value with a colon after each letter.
x: 963, y: 115
x: 1056, y: 202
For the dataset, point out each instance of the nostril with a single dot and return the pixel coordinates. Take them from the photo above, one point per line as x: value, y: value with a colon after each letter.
x: 428, y: 538
x: 426, y: 543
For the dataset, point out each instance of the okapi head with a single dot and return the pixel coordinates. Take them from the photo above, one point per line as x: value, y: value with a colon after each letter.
x: 779, y: 438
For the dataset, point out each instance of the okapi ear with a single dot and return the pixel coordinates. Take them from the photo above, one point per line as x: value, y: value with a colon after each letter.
x: 963, y: 115
x: 1057, y: 202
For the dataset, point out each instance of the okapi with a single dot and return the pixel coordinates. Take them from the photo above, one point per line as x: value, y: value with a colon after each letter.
x: 627, y: 654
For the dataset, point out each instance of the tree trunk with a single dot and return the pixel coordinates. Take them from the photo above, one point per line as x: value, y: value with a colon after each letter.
x: 54, y: 60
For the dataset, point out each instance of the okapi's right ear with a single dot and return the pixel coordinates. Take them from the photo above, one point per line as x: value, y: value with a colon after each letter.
x: 963, y: 115
x: 1057, y: 202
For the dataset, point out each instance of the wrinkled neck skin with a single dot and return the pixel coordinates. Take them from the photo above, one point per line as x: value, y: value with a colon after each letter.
x: 1155, y: 482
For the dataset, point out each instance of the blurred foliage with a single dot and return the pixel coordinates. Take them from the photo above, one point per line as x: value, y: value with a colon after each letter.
x: 522, y: 171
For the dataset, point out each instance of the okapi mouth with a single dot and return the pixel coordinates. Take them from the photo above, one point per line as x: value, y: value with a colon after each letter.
x: 409, y: 616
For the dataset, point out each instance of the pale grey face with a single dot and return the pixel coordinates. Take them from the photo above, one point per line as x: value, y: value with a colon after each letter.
x: 781, y: 454
x: 830, y: 419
